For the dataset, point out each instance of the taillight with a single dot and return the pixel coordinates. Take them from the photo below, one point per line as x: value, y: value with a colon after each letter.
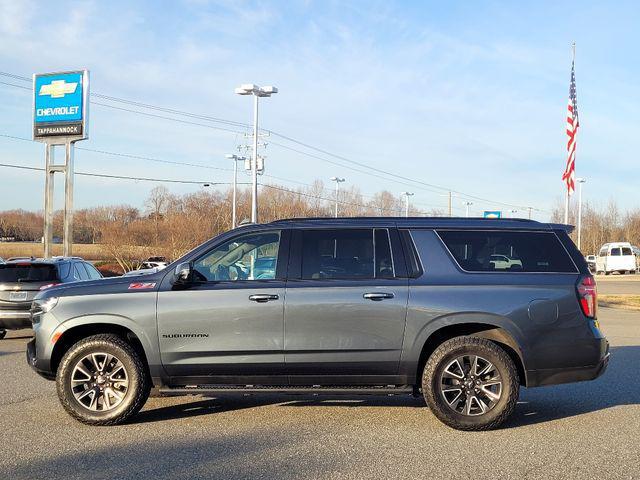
x: 44, y: 287
x: 588, y: 296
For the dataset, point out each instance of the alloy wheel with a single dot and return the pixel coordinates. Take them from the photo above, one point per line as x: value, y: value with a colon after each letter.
x: 99, y: 381
x: 471, y: 385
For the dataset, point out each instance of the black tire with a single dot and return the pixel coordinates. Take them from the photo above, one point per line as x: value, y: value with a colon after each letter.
x: 3, y: 333
x: 138, y: 380
x: 443, y: 357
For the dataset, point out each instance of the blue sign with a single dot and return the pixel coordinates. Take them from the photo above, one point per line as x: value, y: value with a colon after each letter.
x: 492, y: 214
x: 59, y: 106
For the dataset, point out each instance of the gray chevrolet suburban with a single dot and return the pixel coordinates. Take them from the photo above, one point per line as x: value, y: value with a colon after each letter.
x: 333, y: 306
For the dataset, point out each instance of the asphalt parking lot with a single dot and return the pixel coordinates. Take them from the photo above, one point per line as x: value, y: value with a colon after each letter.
x: 618, y: 284
x: 584, y: 430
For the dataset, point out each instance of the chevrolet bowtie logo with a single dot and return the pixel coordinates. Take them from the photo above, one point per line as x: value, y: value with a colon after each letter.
x: 58, y: 88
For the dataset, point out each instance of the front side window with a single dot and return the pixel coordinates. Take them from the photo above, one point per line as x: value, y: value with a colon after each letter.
x: 507, y: 251
x: 346, y: 254
x: 249, y: 257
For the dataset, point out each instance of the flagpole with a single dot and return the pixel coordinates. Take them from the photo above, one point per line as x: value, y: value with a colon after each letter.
x: 566, y: 198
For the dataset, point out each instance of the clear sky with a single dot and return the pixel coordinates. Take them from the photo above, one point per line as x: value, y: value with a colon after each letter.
x: 466, y: 95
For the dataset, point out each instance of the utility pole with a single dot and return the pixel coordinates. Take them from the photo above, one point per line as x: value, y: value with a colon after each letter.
x: 234, y: 200
x: 338, y: 181
x: 406, y: 202
x: 450, y: 207
x: 530, y: 208
x: 580, y: 182
x: 257, y: 92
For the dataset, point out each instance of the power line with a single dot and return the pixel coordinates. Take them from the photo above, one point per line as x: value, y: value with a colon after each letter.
x: 415, y: 183
x: 172, y: 162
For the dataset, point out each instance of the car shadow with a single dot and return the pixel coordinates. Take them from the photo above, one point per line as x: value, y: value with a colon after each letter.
x: 618, y: 386
x: 536, y: 405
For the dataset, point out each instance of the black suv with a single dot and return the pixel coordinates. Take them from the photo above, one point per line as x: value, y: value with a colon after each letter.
x: 461, y: 311
x: 22, y: 277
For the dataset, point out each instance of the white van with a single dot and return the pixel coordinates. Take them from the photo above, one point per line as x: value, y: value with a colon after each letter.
x: 616, y: 257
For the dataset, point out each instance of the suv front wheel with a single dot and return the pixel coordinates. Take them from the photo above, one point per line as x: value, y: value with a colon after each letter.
x: 470, y: 383
x: 102, y: 380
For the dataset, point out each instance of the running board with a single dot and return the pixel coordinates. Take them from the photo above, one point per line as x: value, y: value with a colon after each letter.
x: 294, y: 390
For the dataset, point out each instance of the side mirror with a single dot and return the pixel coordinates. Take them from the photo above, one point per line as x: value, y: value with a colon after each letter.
x: 182, y: 274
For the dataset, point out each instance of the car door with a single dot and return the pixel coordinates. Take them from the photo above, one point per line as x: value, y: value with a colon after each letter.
x: 345, y: 305
x: 229, y: 320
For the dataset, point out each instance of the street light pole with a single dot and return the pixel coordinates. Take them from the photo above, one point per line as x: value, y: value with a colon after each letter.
x: 406, y: 204
x: 580, y: 182
x: 338, y: 181
x: 234, y: 200
x: 467, y: 205
x: 256, y: 91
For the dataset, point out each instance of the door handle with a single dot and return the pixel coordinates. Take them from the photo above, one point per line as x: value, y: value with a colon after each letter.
x: 263, y: 297
x: 377, y: 296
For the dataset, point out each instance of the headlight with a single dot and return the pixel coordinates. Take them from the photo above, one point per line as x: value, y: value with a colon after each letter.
x: 46, y: 305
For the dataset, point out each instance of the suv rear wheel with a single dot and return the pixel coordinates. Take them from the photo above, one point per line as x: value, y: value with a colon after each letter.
x: 102, y: 380
x: 470, y: 383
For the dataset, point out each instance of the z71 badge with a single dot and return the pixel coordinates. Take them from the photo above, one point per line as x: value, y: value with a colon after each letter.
x: 142, y: 285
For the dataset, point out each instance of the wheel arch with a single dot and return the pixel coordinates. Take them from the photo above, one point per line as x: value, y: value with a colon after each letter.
x: 76, y: 333
x: 492, y: 332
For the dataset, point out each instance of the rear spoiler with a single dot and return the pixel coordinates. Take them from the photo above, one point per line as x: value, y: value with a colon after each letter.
x: 562, y: 226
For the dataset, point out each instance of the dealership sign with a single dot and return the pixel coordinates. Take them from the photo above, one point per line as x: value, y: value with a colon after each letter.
x: 60, y: 105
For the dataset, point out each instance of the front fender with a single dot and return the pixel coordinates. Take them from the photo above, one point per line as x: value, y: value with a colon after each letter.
x: 147, y: 336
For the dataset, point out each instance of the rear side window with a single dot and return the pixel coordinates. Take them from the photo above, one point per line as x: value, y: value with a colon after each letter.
x: 27, y: 272
x: 507, y: 251
x: 346, y: 254
x: 94, y: 274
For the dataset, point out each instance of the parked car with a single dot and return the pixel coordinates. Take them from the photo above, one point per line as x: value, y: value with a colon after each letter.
x: 22, y: 278
x: 154, y: 262
x: 141, y: 271
x: 591, y: 262
x: 616, y: 257
x: 338, y: 306
x: 503, y: 262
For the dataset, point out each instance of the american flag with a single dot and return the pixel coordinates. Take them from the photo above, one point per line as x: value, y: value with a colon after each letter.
x: 569, y: 175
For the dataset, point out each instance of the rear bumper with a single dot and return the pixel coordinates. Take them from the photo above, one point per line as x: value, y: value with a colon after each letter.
x: 555, y: 376
x: 15, y: 319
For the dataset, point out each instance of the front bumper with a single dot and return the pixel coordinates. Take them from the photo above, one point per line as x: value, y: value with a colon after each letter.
x: 15, y: 319
x: 32, y: 360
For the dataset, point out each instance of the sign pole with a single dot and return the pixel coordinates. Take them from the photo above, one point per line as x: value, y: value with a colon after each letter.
x: 48, y: 198
x: 60, y: 117
x: 68, y: 200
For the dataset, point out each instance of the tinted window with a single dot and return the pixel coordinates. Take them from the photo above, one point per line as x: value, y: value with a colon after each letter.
x: 615, y: 252
x: 478, y: 251
x: 248, y: 257
x: 79, y: 272
x: 94, y: 274
x: 27, y: 272
x: 346, y: 254
x: 337, y: 254
x: 64, y: 270
x: 626, y: 251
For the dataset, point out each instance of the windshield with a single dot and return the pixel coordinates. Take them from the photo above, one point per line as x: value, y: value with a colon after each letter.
x: 27, y: 272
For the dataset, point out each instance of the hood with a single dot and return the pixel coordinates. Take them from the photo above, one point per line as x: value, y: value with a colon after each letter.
x: 144, y: 283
